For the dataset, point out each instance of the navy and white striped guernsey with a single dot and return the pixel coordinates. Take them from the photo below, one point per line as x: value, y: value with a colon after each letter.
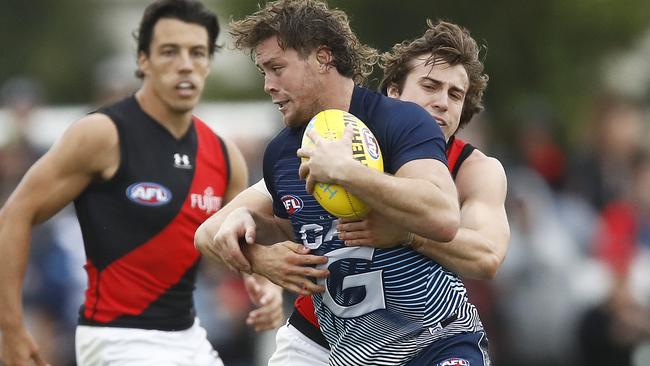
x: 382, y: 306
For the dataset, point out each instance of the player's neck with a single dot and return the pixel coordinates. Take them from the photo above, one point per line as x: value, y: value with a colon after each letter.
x: 340, y: 95
x: 175, y: 122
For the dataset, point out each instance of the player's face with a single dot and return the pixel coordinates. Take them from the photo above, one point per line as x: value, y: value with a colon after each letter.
x: 292, y: 81
x: 177, y: 64
x: 438, y: 88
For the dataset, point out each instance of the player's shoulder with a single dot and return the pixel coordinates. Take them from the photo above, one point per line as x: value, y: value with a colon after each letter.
x: 408, y: 112
x: 96, y: 127
x: 285, y: 141
x: 280, y: 139
x: 479, y: 160
x: 479, y: 167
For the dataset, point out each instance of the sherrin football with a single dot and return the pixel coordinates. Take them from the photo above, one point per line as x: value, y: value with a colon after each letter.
x: 330, y: 125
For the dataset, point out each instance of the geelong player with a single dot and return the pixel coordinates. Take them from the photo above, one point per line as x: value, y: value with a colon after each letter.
x: 441, y: 72
x: 143, y: 174
x: 379, y: 306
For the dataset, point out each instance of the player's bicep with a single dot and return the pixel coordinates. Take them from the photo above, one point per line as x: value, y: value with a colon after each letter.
x: 82, y: 154
x: 482, y: 189
x: 430, y: 170
x: 252, y: 199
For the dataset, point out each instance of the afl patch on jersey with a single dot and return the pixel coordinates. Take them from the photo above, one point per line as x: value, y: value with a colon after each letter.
x: 292, y: 203
x: 148, y: 194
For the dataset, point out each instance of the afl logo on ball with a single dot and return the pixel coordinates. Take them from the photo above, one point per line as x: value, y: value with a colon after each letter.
x: 371, y: 143
x: 148, y: 194
x: 292, y: 203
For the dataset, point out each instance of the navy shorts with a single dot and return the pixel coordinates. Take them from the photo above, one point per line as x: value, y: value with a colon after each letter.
x: 466, y: 349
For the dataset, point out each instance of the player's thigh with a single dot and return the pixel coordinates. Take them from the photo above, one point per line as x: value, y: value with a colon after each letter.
x: 461, y: 350
x: 293, y: 348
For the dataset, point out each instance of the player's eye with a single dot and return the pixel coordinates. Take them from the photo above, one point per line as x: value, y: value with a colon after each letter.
x: 168, y: 52
x: 457, y: 95
x: 199, y: 53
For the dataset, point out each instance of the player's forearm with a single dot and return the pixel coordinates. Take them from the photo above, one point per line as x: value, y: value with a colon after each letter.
x: 469, y: 254
x: 418, y: 205
x: 14, y: 250
x: 268, y: 230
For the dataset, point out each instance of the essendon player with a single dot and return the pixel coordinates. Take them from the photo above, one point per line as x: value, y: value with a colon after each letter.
x: 450, y: 86
x: 143, y: 174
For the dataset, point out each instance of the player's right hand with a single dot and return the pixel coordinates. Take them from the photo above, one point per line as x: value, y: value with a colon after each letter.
x: 375, y: 230
x: 224, y: 246
x: 289, y: 265
x: 19, y: 348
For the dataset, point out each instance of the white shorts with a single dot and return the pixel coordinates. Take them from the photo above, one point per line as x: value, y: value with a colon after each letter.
x: 295, y: 349
x: 102, y: 346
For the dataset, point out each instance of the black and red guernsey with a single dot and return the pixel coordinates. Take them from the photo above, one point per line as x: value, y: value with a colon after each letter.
x: 138, y: 227
x: 457, y: 151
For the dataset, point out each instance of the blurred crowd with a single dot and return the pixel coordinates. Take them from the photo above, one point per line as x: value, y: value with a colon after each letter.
x: 574, y: 288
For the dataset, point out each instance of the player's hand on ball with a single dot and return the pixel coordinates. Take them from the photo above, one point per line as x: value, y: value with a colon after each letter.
x: 289, y: 265
x: 328, y: 161
x: 374, y: 231
x: 333, y: 141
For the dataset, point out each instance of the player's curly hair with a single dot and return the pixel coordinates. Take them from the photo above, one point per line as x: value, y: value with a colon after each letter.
x: 305, y: 25
x: 446, y: 42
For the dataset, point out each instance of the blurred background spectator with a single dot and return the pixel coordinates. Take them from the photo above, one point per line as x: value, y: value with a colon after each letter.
x: 567, y: 113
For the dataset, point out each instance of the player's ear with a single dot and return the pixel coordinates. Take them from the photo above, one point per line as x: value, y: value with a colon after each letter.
x: 143, y: 63
x: 324, y: 57
x: 393, y: 91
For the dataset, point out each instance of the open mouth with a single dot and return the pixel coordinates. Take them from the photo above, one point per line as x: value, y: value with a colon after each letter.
x: 185, y: 87
x: 282, y: 105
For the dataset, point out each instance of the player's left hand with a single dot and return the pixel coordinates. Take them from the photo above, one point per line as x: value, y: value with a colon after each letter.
x: 267, y: 296
x: 375, y: 230
x: 328, y: 160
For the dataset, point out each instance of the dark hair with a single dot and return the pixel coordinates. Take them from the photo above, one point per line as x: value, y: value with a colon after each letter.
x: 305, y: 25
x: 189, y: 11
x: 446, y: 42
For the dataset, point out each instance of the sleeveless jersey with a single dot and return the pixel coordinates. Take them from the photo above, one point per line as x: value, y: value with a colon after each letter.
x: 138, y: 227
x: 457, y: 151
x: 381, y: 306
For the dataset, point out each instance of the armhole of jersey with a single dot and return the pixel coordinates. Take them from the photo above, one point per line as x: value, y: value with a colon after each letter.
x: 122, y: 147
x: 261, y: 187
x: 464, y: 154
x: 226, y: 157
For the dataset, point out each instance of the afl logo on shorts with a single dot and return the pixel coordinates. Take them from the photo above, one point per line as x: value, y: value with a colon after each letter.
x: 371, y: 144
x: 454, y: 362
x: 148, y: 194
x: 292, y: 203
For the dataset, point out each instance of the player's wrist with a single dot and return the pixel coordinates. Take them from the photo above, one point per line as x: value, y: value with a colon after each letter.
x: 9, y: 324
x: 409, y: 241
x: 346, y: 173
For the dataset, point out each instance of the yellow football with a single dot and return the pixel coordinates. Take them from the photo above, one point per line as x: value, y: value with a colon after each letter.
x: 330, y: 124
